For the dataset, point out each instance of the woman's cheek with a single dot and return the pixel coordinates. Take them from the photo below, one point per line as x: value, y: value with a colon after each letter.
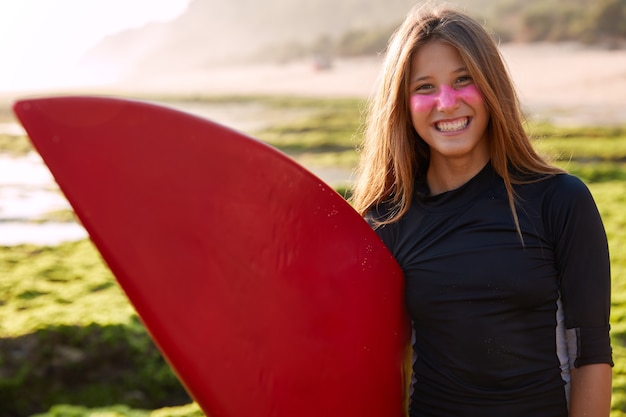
x: 471, y: 95
x: 422, y: 103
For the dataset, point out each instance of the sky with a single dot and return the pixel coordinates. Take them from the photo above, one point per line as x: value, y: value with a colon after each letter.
x: 42, y: 41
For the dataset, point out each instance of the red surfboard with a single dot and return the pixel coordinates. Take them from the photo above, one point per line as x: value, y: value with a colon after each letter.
x: 265, y: 291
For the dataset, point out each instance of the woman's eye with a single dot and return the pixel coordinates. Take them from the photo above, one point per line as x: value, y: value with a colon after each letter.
x: 464, y: 80
x: 424, y: 88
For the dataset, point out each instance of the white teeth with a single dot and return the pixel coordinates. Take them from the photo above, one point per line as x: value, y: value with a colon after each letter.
x: 452, y: 126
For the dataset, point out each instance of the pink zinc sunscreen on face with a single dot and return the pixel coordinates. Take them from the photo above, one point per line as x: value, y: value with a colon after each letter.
x: 445, y: 98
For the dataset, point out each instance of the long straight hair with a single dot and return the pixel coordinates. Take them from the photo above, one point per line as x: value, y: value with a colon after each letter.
x: 393, y: 154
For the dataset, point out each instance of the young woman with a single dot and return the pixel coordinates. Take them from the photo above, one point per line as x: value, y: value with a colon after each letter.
x: 505, y: 256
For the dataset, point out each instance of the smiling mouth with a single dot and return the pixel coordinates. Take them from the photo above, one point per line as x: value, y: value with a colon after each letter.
x: 453, y: 126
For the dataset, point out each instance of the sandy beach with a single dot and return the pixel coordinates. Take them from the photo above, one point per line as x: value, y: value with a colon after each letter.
x: 563, y: 83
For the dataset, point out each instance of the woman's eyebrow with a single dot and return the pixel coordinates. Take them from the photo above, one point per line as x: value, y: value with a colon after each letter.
x: 426, y: 77
x: 422, y: 78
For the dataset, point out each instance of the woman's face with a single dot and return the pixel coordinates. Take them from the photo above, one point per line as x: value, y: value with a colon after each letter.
x: 447, y: 109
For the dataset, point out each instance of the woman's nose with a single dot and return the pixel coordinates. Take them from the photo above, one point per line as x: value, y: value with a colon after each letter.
x: 447, y: 99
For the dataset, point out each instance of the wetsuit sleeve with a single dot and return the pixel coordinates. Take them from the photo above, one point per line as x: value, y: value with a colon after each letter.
x: 582, y: 259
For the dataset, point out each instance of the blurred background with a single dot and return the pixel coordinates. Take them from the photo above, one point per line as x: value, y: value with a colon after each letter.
x: 239, y: 46
x: 294, y: 73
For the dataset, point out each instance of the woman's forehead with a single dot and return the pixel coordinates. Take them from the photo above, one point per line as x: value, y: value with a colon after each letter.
x: 435, y: 57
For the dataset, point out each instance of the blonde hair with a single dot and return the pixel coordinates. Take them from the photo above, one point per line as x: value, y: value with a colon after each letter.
x: 392, y: 153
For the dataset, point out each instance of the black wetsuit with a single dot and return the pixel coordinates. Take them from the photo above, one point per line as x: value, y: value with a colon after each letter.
x: 498, y: 324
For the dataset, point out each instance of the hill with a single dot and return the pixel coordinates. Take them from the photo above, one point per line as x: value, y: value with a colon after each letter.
x: 216, y: 32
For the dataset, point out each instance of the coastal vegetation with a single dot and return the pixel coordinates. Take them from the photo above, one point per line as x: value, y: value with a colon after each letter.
x: 72, y: 346
x: 600, y: 23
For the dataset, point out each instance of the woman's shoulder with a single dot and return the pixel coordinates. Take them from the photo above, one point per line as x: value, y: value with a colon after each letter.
x: 566, y: 185
x: 558, y: 193
x: 377, y: 214
x: 559, y: 184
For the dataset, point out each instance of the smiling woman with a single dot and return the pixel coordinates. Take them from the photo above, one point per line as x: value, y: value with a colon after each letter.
x: 42, y: 41
x: 504, y: 256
